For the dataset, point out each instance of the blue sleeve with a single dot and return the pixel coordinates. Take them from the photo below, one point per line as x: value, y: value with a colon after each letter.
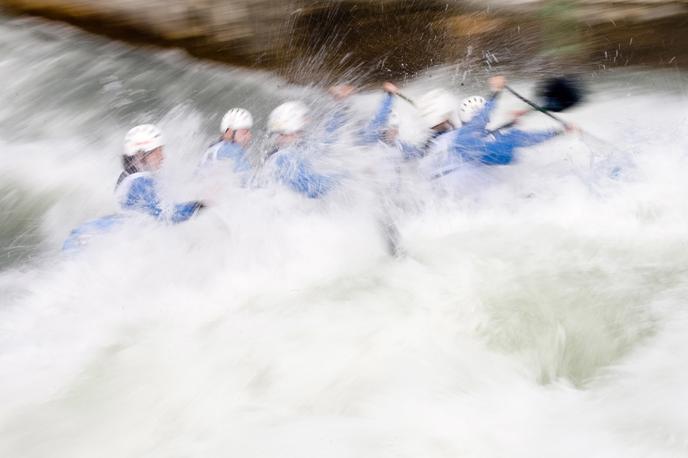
x: 501, y: 151
x: 142, y: 196
x: 521, y: 139
x: 481, y: 119
x: 184, y: 211
x: 339, y: 117
x: 298, y: 176
x: 372, y: 132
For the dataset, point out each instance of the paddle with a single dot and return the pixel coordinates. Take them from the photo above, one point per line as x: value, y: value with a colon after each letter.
x: 403, y: 97
x: 557, y: 94
x: 536, y: 107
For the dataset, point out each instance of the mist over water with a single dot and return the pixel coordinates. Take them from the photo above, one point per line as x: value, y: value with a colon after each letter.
x: 539, y: 310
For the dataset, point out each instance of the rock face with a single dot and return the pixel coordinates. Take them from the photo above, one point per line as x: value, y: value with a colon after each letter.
x: 597, y: 11
x: 233, y: 30
x: 308, y: 40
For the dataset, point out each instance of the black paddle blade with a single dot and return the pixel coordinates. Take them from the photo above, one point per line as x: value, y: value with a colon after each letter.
x: 559, y: 94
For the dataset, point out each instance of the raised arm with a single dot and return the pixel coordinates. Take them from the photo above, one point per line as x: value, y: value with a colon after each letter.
x: 374, y: 130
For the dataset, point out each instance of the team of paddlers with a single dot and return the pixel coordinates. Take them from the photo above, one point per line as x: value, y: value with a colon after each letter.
x: 458, y: 133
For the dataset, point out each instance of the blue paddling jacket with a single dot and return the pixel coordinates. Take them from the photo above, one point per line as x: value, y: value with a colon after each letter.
x: 137, y: 192
x: 473, y: 142
x: 227, y: 151
x: 336, y: 120
x: 292, y: 169
x: 375, y: 130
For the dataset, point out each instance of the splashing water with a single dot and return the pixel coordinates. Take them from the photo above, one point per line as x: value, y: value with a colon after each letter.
x: 540, y: 309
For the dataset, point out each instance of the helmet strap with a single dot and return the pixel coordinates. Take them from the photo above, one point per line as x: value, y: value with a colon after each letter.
x: 129, y: 164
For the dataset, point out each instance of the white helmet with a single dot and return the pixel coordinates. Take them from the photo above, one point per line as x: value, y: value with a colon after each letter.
x: 438, y: 106
x: 288, y: 118
x: 141, y: 139
x: 470, y: 107
x: 236, y: 118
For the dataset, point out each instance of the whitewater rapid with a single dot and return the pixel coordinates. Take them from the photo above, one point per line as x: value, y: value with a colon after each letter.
x: 540, y: 309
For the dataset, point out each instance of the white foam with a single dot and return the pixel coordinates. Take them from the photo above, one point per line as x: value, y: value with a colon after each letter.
x: 540, y: 310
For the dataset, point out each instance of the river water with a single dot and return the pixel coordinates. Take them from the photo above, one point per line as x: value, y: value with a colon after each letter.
x: 539, y: 309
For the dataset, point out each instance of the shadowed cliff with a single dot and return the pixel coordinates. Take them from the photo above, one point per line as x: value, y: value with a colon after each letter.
x: 308, y: 41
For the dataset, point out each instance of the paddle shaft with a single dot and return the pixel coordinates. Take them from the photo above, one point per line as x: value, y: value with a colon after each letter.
x: 536, y: 106
x: 403, y: 97
x: 504, y: 126
x: 556, y: 118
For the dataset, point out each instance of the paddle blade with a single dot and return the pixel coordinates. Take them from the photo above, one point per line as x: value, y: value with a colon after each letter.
x: 559, y: 94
